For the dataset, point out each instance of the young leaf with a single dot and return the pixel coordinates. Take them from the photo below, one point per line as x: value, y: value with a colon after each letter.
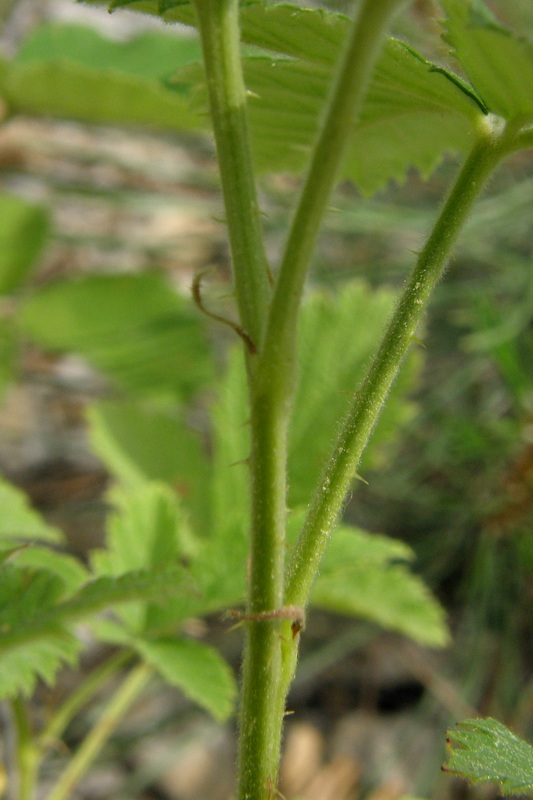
x: 366, y: 575
x: 19, y: 522
x: 483, y: 750
x: 135, y: 327
x: 498, y: 62
x: 23, y: 232
x: 198, y: 670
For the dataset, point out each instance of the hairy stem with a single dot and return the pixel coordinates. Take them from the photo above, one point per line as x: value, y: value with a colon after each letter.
x: 360, y: 54
x: 100, y: 733
x: 218, y: 23
x: 272, y: 386
x: 491, y: 145
x: 261, y: 714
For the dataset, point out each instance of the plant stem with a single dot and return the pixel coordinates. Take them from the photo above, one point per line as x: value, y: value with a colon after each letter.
x: 100, y: 733
x: 263, y: 691
x: 26, y: 751
x: 218, y: 23
x: 79, y: 698
x: 262, y: 705
x: 362, y: 49
x: 492, y: 144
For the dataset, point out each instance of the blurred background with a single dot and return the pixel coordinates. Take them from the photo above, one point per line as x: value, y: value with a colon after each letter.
x: 456, y: 483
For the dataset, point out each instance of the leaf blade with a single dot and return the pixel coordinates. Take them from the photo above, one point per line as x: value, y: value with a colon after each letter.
x: 484, y: 750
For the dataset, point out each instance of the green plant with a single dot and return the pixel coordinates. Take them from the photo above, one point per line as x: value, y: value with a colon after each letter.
x: 283, y: 104
x: 485, y: 750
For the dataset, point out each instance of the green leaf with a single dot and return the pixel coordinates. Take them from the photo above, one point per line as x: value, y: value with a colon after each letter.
x: 148, y: 530
x: 134, y: 327
x: 420, y: 106
x: 19, y: 522
x: 24, y: 595
x: 221, y: 566
x: 365, y: 575
x: 69, y: 569
x: 198, y: 670
x: 151, y: 55
x: 482, y: 750
x: 71, y: 71
x: 348, y: 324
x: 408, y: 102
x: 23, y: 232
x: 20, y: 669
x: 498, y: 62
x: 36, y: 617
x: 423, y: 108
x: 140, y: 442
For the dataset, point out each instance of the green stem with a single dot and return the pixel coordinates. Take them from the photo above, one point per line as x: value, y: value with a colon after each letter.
x: 218, y: 23
x: 493, y: 143
x: 79, y: 698
x: 262, y: 705
x: 26, y: 751
x: 263, y: 692
x: 100, y: 733
x: 362, y: 49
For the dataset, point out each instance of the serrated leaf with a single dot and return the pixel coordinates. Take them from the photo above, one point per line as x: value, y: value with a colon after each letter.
x: 23, y: 232
x: 424, y: 109
x: 482, y: 750
x: 221, y: 567
x: 25, y: 595
x: 35, y: 622
x: 30, y: 611
x: 140, y: 442
x: 19, y: 522
x: 148, y: 530
x: 69, y: 569
x: 407, y: 102
x: 365, y: 575
x: 498, y: 62
x: 20, y: 669
x: 71, y: 71
x: 420, y: 106
x: 338, y: 332
x: 196, y: 669
x: 134, y: 327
